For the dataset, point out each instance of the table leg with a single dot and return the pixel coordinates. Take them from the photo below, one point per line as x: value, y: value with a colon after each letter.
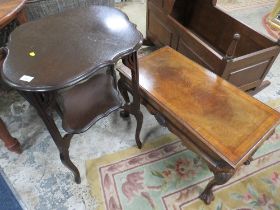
x: 43, y: 104
x: 123, y: 90
x: 250, y: 159
x: 11, y: 143
x: 133, y: 108
x: 221, y: 175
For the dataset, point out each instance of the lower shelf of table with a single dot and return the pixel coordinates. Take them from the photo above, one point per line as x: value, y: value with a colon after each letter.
x: 86, y: 103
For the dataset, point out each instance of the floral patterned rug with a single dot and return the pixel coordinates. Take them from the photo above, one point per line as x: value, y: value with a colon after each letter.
x: 166, y: 175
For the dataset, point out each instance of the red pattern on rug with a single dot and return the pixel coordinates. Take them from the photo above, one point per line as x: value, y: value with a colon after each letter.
x: 272, y: 31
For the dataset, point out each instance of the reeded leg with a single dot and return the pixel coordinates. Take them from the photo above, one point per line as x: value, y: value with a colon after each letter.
x: 11, y: 143
x: 42, y: 103
x: 133, y: 108
x: 221, y: 176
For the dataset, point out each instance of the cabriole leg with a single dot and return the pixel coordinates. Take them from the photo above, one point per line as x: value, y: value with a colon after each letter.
x: 221, y: 176
x: 42, y: 103
x: 134, y: 108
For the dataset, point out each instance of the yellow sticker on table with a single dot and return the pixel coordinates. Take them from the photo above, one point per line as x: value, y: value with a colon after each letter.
x: 32, y: 54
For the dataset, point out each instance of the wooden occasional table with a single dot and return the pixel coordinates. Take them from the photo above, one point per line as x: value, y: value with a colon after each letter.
x: 57, y: 63
x: 212, y: 117
x: 10, y: 10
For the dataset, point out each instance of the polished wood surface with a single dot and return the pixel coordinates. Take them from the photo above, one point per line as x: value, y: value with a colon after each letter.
x: 66, y: 53
x: 227, y: 120
x: 9, y: 10
x: 222, y: 124
x: 212, y: 38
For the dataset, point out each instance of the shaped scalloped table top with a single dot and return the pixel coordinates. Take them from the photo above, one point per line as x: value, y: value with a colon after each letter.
x: 61, y: 50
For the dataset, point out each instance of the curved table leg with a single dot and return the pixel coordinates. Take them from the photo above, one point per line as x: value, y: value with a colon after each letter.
x: 65, y: 159
x: 42, y: 103
x: 11, y: 143
x: 139, y: 119
x: 121, y: 86
x: 221, y: 176
x: 133, y: 108
x: 127, y: 110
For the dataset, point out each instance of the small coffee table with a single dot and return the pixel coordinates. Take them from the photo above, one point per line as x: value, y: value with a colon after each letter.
x: 57, y: 63
x: 212, y: 117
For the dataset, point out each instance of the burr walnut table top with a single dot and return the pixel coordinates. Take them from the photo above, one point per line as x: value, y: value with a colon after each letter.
x: 9, y: 9
x: 217, y: 117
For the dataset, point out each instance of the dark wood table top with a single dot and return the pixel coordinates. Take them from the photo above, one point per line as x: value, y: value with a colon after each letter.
x: 8, y: 10
x: 226, y: 120
x: 61, y: 50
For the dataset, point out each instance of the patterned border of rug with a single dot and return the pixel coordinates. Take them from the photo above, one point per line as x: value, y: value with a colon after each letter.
x: 166, y: 175
x: 274, y: 32
x: 231, y: 5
